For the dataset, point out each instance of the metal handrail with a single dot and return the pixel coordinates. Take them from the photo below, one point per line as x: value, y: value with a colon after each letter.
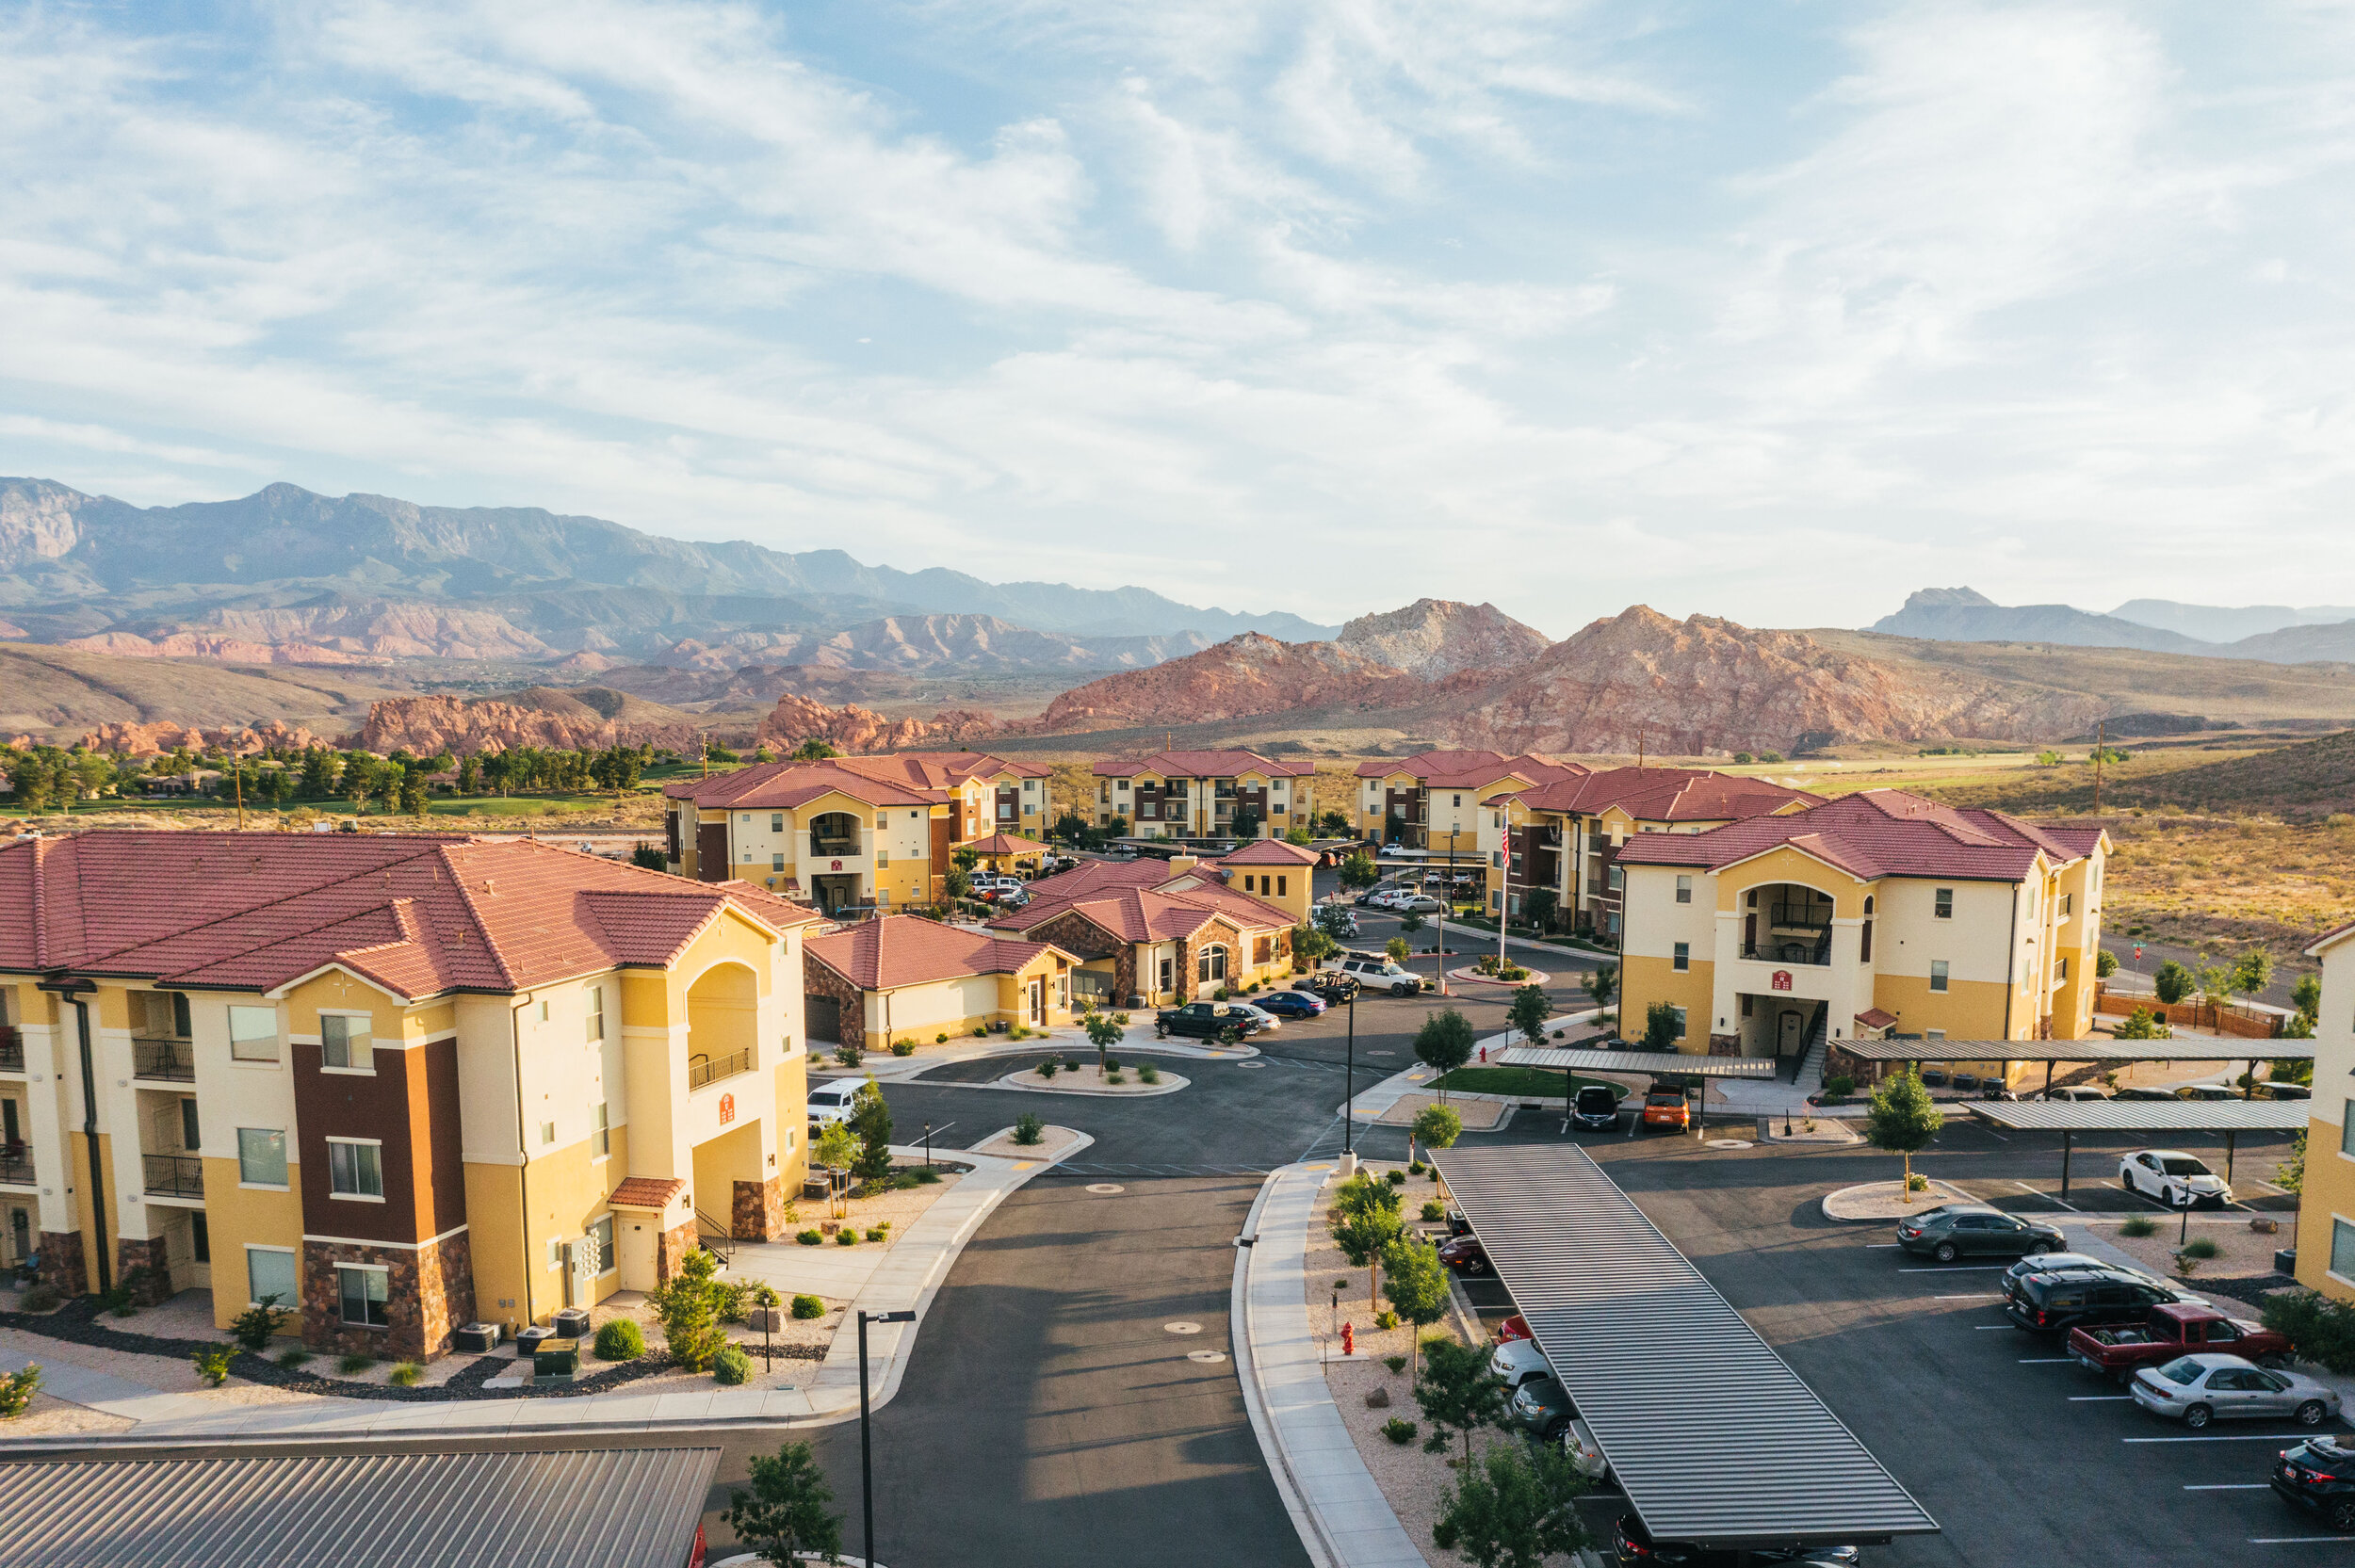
x: 1815, y: 956
x: 16, y: 1168
x: 11, y: 1049
x: 713, y: 1238
x: 173, y: 1176
x: 703, y: 1069
x: 169, y: 1060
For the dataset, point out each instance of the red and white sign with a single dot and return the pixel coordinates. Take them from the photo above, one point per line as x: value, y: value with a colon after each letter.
x: 727, y: 1109
x: 1781, y: 981
x: 837, y: 865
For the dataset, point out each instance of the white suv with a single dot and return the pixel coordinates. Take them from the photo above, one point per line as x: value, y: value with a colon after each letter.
x: 831, y: 1102
x: 1379, y: 973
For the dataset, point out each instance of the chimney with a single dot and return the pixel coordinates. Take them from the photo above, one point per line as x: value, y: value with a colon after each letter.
x: 1180, y: 864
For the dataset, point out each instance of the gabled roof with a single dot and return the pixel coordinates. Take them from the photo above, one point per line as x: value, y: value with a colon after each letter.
x: 894, y: 950
x: 1203, y: 764
x: 418, y: 915
x: 1666, y: 795
x: 1878, y: 833
x: 1269, y: 851
x: 786, y: 785
x: 1423, y: 764
x: 1006, y: 844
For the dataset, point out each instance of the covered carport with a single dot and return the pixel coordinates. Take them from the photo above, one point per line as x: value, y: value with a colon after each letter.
x: 1653, y: 1065
x: 1713, y: 1437
x: 2071, y: 1117
x: 2093, y: 1049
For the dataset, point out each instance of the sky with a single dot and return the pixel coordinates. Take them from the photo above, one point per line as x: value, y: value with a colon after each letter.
x: 1763, y: 310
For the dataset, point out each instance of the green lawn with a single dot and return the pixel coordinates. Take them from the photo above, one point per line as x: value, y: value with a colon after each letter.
x: 437, y: 805
x: 1529, y: 1083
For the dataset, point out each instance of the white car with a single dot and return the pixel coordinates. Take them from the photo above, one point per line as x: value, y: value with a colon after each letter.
x: 1267, y: 1020
x: 830, y: 1102
x: 2174, y: 1178
x: 2198, y: 1389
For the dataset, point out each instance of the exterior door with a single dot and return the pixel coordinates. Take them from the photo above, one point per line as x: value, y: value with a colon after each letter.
x: 634, y: 1246
x: 711, y: 853
x: 1787, y: 1042
x: 1038, y: 1004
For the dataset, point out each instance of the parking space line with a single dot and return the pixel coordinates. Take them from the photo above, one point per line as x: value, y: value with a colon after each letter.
x: 2232, y: 1486
x: 1959, y: 1268
x: 2233, y: 1437
x: 2098, y: 1399
x: 1880, y: 1246
x: 1971, y: 1296
x: 1990, y: 1325
x: 2046, y: 1361
x: 2294, y: 1540
x: 2034, y: 1193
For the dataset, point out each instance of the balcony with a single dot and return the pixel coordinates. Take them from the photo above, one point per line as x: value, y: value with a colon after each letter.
x: 163, y: 1060
x: 11, y: 1049
x: 16, y: 1166
x: 1800, y: 917
x: 173, y: 1176
x: 702, y: 1071
x: 832, y: 849
x: 1817, y: 953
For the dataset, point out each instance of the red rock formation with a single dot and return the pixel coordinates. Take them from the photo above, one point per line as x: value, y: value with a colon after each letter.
x: 122, y: 737
x: 857, y: 730
x: 1239, y: 678
x: 1439, y: 637
x: 429, y: 725
x: 207, y: 645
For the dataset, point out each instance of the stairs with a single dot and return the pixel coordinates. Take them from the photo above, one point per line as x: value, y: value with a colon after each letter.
x: 1807, y: 1079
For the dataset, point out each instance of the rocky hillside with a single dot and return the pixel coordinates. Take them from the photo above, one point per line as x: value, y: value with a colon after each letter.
x: 1240, y: 678
x: 57, y: 694
x: 554, y: 720
x: 933, y: 642
x: 1438, y: 637
x: 854, y: 729
x: 1706, y: 685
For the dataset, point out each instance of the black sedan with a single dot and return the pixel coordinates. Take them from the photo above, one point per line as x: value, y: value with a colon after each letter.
x: 1636, y: 1544
x: 1958, y: 1230
x: 1595, y: 1109
x: 2318, y: 1475
x: 1206, y: 1020
x: 1292, y: 1004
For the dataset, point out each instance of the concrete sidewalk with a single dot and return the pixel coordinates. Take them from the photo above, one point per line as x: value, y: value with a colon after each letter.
x: 904, y: 1278
x: 885, y: 1068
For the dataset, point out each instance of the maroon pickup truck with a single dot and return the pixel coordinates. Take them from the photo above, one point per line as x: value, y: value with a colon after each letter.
x: 2173, y: 1329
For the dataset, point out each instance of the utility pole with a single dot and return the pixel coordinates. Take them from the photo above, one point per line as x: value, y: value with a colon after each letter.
x: 238, y: 781
x: 1639, y: 749
x: 2100, y: 744
x: 1443, y: 903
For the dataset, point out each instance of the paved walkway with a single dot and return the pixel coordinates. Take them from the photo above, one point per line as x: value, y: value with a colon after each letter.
x: 885, y: 1068
x: 1344, y: 1520
x: 902, y: 1278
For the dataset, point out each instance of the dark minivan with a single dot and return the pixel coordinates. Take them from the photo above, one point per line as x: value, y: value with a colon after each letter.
x: 2083, y: 1299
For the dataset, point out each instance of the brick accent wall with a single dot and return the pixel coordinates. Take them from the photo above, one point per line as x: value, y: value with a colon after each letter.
x: 428, y: 1289
x: 757, y: 1211
x: 670, y: 1250
x: 1725, y: 1044
x: 819, y: 980
x: 153, y: 1286
x: 62, y: 1264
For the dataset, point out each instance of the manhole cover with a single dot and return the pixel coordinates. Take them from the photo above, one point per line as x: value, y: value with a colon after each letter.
x: 1181, y: 1328
x: 1105, y: 1186
x: 1206, y: 1355
x: 1728, y: 1143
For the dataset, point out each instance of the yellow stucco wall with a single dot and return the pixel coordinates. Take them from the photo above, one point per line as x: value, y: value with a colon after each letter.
x: 1646, y: 980
x: 1967, y: 1010
x: 235, y: 1216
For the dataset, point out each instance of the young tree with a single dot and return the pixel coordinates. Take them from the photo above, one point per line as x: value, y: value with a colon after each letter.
x: 1435, y: 1127
x: 2306, y: 996
x: 762, y: 753
x: 648, y: 857
x: 1603, y: 986
x: 956, y: 883
x: 687, y: 1305
x: 2105, y: 964
x: 1103, y: 1034
x: 1311, y: 945
x: 1516, y: 1509
x: 784, y: 1517
x: 1529, y: 1012
x: 1398, y: 950
x: 470, y: 775
x: 1358, y: 870
x: 1659, y: 1026
x: 413, y: 792
x: 1297, y: 834
x: 2253, y: 973
x: 871, y: 1122
x: 814, y: 749
x: 835, y: 1148
x: 1903, y: 1121
x: 1334, y: 824
x: 1463, y: 1395
x: 2215, y: 984
x: 1334, y: 919
x: 1444, y: 1043
x: 1538, y: 905
x: 1244, y: 822
x: 2173, y: 982
x: 1364, y: 1219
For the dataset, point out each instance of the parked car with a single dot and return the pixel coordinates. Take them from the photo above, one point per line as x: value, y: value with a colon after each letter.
x: 2318, y: 1475
x: 1380, y: 974
x: 1541, y: 1407
x: 1956, y: 1230
x: 1418, y: 903
x: 2283, y: 1091
x: 2172, y: 1331
x: 1292, y: 1004
x: 2174, y: 1178
x: 2144, y: 1095
x: 1595, y: 1107
x: 2053, y: 1262
x: 1267, y: 1020
x: 1336, y: 921
x: 1331, y: 986
x: 1207, y: 1020
x: 2075, y: 1091
x: 2084, y: 1298
x: 1666, y: 1108
x: 2198, y: 1389
x: 2209, y: 1093
x: 1464, y: 1254
x: 1515, y: 1327
x: 830, y: 1102
x: 1514, y: 1362
x: 1634, y: 1544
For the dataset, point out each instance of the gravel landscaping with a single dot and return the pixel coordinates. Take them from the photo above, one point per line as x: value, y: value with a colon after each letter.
x: 1052, y: 1141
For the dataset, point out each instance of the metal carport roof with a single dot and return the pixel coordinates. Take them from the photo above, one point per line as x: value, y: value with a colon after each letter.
x: 2203, y: 1049
x: 590, y: 1508
x: 2145, y: 1115
x: 1657, y: 1063
x: 1713, y: 1438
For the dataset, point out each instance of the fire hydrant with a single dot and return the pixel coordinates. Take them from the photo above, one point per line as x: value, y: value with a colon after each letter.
x: 1484, y: 1056
x: 1349, y: 1339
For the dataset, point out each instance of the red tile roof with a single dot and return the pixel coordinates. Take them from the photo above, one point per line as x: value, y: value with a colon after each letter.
x: 419, y: 914
x: 1203, y: 764
x: 1269, y: 851
x: 1666, y: 795
x: 1006, y: 844
x: 893, y: 950
x: 1874, y: 833
x: 786, y: 785
x: 1876, y: 1018
x: 647, y: 1191
x: 1159, y: 912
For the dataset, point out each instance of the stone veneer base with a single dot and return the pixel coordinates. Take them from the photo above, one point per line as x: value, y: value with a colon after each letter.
x: 429, y: 1291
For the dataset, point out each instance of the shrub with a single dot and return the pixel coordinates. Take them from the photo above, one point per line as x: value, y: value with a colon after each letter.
x: 407, y: 1374
x: 619, y: 1339
x: 2139, y: 1224
x: 2202, y: 1247
x: 356, y: 1362
x: 1917, y: 1183
x: 1027, y: 1129
x: 1396, y: 1178
x: 1432, y: 1211
x: 980, y: 1031
x: 1021, y: 1031
x: 1115, y: 1076
x: 807, y: 1307
x: 875, y: 1233
x: 1147, y: 1072
x: 2321, y: 1329
x: 903, y: 1047
x: 846, y: 1056
x: 941, y: 1039
x: 728, y: 1299
x: 688, y: 1304
x: 1049, y: 1068
x: 17, y: 1390
x: 732, y: 1367
x: 211, y: 1364
x: 293, y: 1356
x: 42, y: 1297
x: 1840, y: 1087
x: 1386, y: 1319
x: 1112, y: 1064
x: 1396, y: 1363
x: 117, y: 1300
x: 1398, y: 1429
x: 925, y: 1175
x: 846, y: 1236
x: 1414, y: 1167
x: 810, y: 1238
x: 253, y: 1327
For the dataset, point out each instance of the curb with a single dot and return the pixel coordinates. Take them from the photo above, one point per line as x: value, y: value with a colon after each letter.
x: 1953, y: 1192
x: 1147, y: 1092
x: 1255, y: 1406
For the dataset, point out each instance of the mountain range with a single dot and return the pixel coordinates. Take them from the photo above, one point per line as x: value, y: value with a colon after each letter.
x: 2275, y: 633
x: 324, y: 579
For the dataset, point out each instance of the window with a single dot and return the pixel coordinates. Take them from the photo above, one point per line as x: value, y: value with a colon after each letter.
x: 1679, y: 1015
x: 253, y: 1034
x: 543, y: 1010
x: 200, y: 1238
x: 1456, y: 799
x: 344, y: 1042
x: 1281, y: 883
x: 1121, y: 785
x: 1615, y: 877
x: 883, y: 820
x: 1684, y: 959
x: 1211, y: 964
x: 2060, y: 969
x: 548, y: 1133
x: 1942, y: 903
x: 190, y: 1139
x: 1685, y: 890
x: 2068, y: 902
x: 354, y: 1169
x: 262, y: 1157
x: 602, y: 1233
x: 595, y: 1029
x: 776, y: 863
x: 2343, y: 1248
x: 601, y: 1129
x: 362, y: 1291
x: 270, y: 1271
x: 1938, y: 974
x: 1934, y: 1034
x: 1864, y: 941
x: 776, y: 821
x: 2347, y: 1129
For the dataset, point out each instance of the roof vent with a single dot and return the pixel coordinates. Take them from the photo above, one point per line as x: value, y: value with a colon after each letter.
x: 488, y: 886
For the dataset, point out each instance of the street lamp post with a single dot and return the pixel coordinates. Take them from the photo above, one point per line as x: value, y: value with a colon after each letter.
x: 1443, y: 904
x: 1349, y: 1081
x: 866, y: 1450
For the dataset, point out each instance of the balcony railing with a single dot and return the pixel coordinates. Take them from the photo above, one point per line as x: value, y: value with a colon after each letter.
x: 1817, y: 953
x: 710, y: 1069
x: 174, y: 1175
x: 11, y: 1049
x: 168, y: 1061
x: 16, y: 1166
x: 833, y: 847
x: 1801, y: 918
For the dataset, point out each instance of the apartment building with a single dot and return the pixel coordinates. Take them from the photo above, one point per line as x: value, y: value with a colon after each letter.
x: 399, y: 1082
x: 1197, y: 794
x: 900, y: 977
x: 2326, y: 1204
x: 1878, y: 912
x: 1274, y: 872
x: 1436, y: 801
x: 1152, y: 934
x: 1564, y: 834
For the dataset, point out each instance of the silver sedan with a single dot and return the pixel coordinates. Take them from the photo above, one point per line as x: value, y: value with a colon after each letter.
x: 2196, y: 1390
